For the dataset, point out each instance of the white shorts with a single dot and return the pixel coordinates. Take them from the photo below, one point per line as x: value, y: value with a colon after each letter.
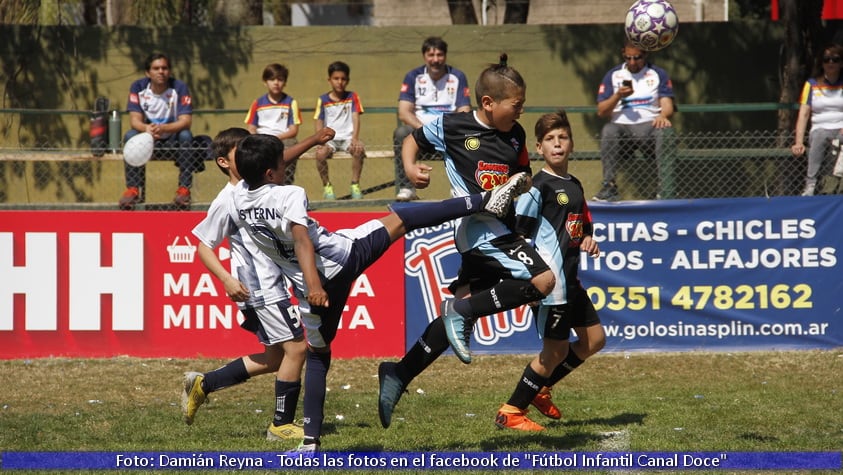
x: 274, y: 323
x: 342, y: 145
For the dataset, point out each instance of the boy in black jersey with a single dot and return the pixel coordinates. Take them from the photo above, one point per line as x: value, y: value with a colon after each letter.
x: 555, y: 216
x: 499, y: 270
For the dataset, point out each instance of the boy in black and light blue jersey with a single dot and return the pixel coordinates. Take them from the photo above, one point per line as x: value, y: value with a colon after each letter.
x: 554, y: 215
x: 499, y: 269
x: 321, y: 264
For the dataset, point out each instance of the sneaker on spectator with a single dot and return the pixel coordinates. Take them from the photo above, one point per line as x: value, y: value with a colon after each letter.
x: 609, y: 192
x: 130, y: 198
x: 328, y: 192
x: 356, y: 192
x: 182, y: 198
x: 406, y: 194
x: 810, y: 190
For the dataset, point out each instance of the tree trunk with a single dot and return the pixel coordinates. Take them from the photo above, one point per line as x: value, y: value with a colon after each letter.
x: 516, y: 11
x: 462, y: 12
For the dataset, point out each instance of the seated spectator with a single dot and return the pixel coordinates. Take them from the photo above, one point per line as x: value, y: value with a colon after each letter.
x: 637, y: 98
x: 426, y: 93
x: 821, y: 101
x: 276, y: 113
x: 161, y: 105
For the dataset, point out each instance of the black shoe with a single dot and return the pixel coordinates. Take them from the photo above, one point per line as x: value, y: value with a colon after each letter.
x: 609, y: 192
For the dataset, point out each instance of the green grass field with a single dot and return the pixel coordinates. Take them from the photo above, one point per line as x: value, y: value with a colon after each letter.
x: 756, y: 401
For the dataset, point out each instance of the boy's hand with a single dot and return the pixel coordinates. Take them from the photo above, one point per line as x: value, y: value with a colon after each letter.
x: 235, y: 290
x: 589, y: 245
x: 325, y: 135
x: 420, y: 175
x: 317, y: 297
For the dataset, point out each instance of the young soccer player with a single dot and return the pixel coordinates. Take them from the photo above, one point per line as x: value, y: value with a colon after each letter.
x: 323, y: 265
x: 499, y: 268
x: 554, y: 215
x: 276, y: 113
x: 340, y: 110
x: 260, y: 290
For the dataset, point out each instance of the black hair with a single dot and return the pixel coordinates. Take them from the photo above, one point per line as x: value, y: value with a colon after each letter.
x: 434, y: 42
x: 225, y: 141
x: 255, y: 155
x: 496, y: 80
x: 147, y: 64
x: 339, y: 66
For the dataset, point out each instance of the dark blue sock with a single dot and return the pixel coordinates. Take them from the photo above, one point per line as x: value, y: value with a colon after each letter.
x: 229, y: 375
x: 315, y: 375
x: 423, y: 215
x: 286, y: 400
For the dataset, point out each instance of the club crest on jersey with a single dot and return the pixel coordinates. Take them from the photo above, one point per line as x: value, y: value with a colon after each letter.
x: 562, y: 197
x: 515, y: 144
x: 574, y: 226
x: 472, y: 143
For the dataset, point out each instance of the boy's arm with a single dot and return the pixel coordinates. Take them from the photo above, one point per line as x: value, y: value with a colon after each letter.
x: 417, y: 173
x: 321, y: 137
x: 306, y: 256
x: 233, y: 287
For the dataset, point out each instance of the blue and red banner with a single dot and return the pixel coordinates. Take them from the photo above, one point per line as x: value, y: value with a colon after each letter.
x: 709, y: 274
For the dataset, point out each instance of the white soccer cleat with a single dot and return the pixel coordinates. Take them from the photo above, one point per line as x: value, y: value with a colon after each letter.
x: 500, y: 198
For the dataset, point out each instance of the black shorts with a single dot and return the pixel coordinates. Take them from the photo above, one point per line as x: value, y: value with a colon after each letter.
x: 371, y: 240
x: 556, y: 321
x: 506, y: 257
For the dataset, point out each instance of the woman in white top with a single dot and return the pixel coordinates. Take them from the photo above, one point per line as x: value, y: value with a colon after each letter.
x: 821, y: 101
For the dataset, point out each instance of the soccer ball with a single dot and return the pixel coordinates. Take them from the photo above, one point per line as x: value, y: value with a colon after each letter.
x: 651, y: 24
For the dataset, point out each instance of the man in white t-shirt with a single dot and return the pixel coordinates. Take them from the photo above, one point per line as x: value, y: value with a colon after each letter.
x: 637, y: 97
x: 426, y: 93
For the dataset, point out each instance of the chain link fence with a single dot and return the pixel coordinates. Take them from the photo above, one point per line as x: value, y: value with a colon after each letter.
x: 690, y: 165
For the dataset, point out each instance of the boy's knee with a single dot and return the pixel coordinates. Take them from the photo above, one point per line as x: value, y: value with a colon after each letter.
x: 544, y: 282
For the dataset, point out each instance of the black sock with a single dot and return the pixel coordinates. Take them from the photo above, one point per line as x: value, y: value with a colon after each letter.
x: 286, y: 399
x: 505, y: 295
x: 315, y: 374
x: 571, y: 362
x: 528, y: 386
x: 427, y: 348
x: 229, y: 375
x: 423, y: 215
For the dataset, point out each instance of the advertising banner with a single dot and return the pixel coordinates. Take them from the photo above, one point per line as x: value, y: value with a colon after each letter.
x: 100, y: 284
x: 677, y: 275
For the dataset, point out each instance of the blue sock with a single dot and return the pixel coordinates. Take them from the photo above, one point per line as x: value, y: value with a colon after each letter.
x: 286, y: 400
x: 315, y: 375
x: 423, y: 215
x: 229, y: 375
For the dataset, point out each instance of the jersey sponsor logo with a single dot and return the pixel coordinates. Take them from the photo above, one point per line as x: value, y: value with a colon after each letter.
x: 466, y: 92
x: 133, y: 98
x: 490, y: 175
x: 405, y: 87
x: 185, y: 100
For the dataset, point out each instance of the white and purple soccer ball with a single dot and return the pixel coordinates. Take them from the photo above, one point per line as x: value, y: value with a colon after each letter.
x: 651, y: 24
